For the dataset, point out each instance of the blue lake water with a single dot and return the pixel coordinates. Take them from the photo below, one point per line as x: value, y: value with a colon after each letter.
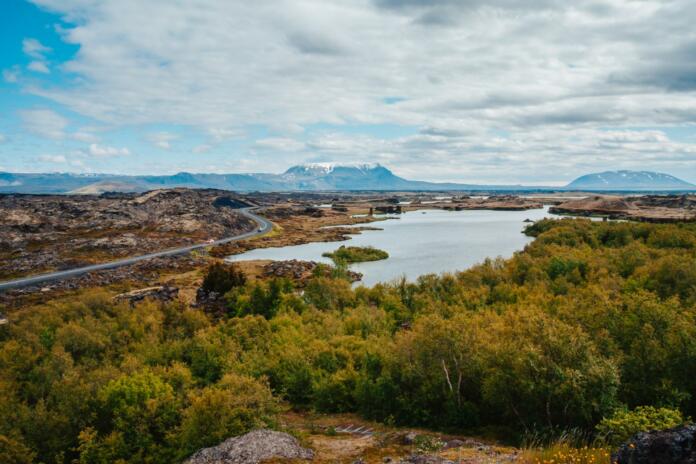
x: 422, y: 242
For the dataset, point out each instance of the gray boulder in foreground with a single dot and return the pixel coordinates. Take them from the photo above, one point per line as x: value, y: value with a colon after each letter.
x: 252, y: 448
x: 672, y: 446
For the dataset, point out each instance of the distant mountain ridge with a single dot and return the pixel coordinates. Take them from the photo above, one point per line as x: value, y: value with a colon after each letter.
x: 310, y: 177
x: 629, y: 180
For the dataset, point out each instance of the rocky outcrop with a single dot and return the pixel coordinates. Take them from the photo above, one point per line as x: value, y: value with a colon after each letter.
x: 285, y: 212
x: 495, y: 202
x: 649, y: 208
x: 425, y: 459
x: 253, y: 448
x: 292, y: 269
x: 300, y: 271
x: 673, y: 446
x: 160, y: 293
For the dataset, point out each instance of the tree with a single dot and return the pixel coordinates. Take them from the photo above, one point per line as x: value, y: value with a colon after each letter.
x: 220, y: 278
x: 233, y: 407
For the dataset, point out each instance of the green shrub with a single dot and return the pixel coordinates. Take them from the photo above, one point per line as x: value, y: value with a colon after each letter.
x: 624, y: 424
x: 356, y: 254
x: 221, y: 278
x: 235, y: 406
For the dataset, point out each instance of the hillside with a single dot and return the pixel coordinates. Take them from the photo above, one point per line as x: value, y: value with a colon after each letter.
x: 629, y: 180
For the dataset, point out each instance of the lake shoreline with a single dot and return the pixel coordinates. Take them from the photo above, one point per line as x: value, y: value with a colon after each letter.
x: 422, y: 242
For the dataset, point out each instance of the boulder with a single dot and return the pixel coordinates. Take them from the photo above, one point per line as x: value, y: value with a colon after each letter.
x: 453, y: 444
x: 672, y: 446
x: 252, y: 448
x: 159, y: 293
x: 409, y: 438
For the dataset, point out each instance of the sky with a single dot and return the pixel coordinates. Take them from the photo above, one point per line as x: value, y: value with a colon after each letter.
x: 533, y: 92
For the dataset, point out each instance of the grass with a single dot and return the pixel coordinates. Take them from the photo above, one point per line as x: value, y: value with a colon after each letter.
x: 563, y: 453
x: 571, y: 446
x: 353, y: 254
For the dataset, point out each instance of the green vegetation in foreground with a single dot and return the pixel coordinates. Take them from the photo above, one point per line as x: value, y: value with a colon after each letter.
x: 353, y: 254
x: 589, y: 321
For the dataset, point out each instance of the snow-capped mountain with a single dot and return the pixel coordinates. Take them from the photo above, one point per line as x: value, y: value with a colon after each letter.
x: 629, y: 180
x: 325, y: 176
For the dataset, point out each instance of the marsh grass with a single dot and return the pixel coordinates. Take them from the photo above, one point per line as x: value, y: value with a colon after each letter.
x: 568, y: 446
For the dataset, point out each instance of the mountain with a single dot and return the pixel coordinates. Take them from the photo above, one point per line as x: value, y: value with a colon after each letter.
x: 629, y: 180
x: 308, y: 177
x: 346, y: 177
x: 312, y: 177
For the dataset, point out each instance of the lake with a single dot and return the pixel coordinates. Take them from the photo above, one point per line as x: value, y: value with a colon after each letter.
x: 422, y: 242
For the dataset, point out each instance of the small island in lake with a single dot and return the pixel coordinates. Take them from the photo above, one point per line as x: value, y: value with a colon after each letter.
x: 353, y: 254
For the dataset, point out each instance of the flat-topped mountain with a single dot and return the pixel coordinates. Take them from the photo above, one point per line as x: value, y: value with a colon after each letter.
x: 629, y: 180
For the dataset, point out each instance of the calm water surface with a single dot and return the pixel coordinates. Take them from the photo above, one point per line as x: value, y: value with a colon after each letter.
x: 423, y: 242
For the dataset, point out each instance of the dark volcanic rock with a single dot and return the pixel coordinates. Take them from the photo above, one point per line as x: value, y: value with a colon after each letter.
x: 252, y: 448
x: 299, y: 271
x: 45, y: 232
x: 425, y: 459
x: 673, y: 446
x: 160, y: 293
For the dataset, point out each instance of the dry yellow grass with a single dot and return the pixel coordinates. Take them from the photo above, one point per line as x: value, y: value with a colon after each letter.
x: 566, y: 454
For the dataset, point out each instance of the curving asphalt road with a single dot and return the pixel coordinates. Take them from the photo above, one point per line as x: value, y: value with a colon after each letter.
x: 264, y: 226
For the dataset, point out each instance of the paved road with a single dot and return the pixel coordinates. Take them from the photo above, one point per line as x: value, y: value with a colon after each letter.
x: 264, y: 226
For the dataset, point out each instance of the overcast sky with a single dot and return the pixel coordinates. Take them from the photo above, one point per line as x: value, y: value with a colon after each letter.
x: 496, y: 91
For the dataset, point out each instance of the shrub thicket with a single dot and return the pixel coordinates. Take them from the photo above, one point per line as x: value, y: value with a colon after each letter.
x: 591, y: 318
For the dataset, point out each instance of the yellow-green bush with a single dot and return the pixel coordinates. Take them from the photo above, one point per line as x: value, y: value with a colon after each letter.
x: 623, y: 424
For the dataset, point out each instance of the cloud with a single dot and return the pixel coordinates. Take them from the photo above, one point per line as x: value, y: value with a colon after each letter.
x: 219, y: 134
x: 280, y: 144
x: 161, y: 139
x: 3, y: 139
x: 84, y: 136
x: 37, y: 51
x: 53, y: 159
x: 34, y: 48
x: 44, y: 122
x: 490, y: 87
x: 38, y: 66
x: 203, y: 148
x: 11, y: 75
x: 103, y: 151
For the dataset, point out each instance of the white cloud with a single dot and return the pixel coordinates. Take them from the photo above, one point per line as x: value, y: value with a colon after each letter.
x: 11, y: 75
x: 281, y: 144
x: 103, y: 151
x: 3, y: 139
x: 34, y: 48
x: 530, y: 86
x: 38, y: 66
x: 37, y: 51
x: 220, y: 134
x: 53, y: 159
x: 44, y: 122
x: 162, y: 139
x: 84, y: 136
x: 203, y: 148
